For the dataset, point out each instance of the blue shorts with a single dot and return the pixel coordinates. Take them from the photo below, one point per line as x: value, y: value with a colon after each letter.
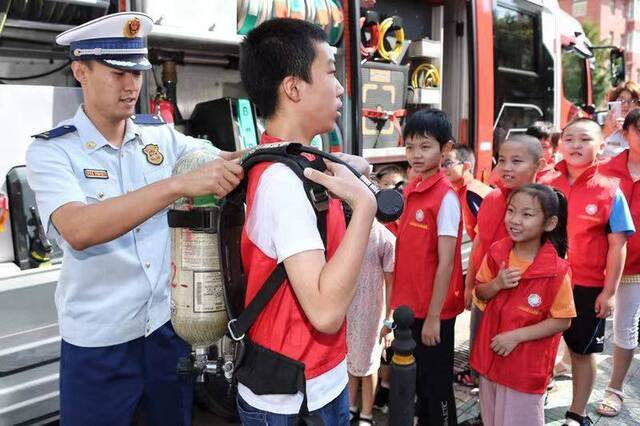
x: 109, y: 385
x: 335, y: 413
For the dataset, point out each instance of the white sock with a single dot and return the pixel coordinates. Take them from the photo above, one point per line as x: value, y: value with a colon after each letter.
x: 571, y: 422
x: 385, y: 385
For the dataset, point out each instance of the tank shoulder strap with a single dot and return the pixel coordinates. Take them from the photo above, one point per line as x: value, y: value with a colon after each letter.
x: 319, y: 198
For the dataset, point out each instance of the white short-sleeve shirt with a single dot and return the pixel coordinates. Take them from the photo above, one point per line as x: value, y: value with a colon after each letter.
x: 118, y: 291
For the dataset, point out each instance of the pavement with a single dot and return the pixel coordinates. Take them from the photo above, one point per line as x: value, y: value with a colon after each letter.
x: 558, y: 400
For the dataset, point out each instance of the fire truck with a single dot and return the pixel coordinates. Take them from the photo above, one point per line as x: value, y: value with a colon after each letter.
x: 494, y: 66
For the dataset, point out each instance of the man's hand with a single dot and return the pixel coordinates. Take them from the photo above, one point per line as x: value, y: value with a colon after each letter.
x: 507, y: 277
x: 431, y: 331
x: 218, y: 177
x: 230, y: 156
x: 504, y: 343
x: 604, y: 304
x: 343, y: 184
x: 361, y: 165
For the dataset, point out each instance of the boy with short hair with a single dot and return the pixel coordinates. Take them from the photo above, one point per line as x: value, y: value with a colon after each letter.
x: 288, y: 69
x: 458, y: 166
x: 428, y: 273
x: 598, y: 225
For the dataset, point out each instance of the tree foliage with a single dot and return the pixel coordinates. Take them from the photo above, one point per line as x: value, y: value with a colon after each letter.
x: 600, y: 82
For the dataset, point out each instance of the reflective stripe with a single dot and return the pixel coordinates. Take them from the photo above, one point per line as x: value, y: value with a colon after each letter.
x: 630, y: 279
x: 98, y: 51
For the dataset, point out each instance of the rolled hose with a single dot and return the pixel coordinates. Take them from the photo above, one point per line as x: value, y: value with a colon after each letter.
x: 390, y: 202
x: 392, y: 54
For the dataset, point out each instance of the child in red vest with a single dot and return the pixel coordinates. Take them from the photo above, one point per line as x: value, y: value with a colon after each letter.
x: 458, y: 165
x: 626, y: 167
x: 428, y: 273
x: 527, y: 287
x: 288, y: 70
x: 599, y: 222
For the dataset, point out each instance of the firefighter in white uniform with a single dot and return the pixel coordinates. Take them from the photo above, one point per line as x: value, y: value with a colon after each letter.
x: 103, y: 183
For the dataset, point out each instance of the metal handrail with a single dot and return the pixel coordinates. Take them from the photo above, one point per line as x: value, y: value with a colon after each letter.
x: 516, y: 105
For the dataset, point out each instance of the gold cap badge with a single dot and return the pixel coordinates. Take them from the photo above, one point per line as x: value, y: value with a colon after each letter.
x: 131, y: 28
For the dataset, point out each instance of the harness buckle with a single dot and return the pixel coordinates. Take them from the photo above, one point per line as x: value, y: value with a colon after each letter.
x: 231, y: 333
x: 319, y: 198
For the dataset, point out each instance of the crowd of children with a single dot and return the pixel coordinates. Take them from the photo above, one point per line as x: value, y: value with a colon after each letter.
x: 550, y: 242
x: 549, y: 251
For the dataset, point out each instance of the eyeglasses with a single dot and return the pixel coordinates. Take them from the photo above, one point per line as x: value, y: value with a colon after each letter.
x: 447, y: 164
x: 628, y: 101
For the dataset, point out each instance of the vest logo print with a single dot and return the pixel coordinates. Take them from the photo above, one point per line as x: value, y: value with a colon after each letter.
x: 154, y: 156
x: 419, y: 215
x: 534, y: 300
x: 591, y: 209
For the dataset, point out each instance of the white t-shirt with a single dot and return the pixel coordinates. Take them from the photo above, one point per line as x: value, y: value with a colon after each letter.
x: 449, y: 215
x: 615, y: 144
x: 282, y: 223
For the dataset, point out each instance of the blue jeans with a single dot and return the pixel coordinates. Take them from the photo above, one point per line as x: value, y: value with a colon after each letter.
x: 335, y: 413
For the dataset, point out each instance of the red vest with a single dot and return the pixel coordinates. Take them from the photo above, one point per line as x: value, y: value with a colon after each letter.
x: 283, y: 326
x: 528, y: 368
x: 590, y: 200
x: 490, y: 223
x: 470, y: 220
x: 617, y: 168
x: 417, y: 250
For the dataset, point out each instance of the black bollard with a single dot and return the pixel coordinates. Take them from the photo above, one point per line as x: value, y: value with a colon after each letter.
x: 403, y: 370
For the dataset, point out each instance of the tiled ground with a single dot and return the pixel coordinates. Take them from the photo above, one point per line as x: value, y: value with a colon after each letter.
x: 557, y: 402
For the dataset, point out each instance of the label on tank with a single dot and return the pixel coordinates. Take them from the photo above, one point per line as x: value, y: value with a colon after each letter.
x: 207, y: 292
x: 199, y: 250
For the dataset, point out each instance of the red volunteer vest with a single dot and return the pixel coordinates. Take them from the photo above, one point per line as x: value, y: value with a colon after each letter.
x: 490, y: 223
x: 589, y: 200
x: 617, y: 168
x: 470, y: 220
x: 283, y: 326
x: 417, y: 250
x: 528, y: 368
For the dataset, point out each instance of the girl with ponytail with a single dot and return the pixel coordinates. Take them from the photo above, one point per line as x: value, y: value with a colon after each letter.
x: 526, y: 285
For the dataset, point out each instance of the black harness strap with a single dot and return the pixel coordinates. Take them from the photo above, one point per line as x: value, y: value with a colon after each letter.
x: 239, y: 326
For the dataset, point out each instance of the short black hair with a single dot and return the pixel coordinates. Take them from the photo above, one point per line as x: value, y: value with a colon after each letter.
x: 587, y: 120
x: 276, y: 49
x: 429, y: 122
x: 465, y: 154
x: 540, y: 130
x: 390, y: 169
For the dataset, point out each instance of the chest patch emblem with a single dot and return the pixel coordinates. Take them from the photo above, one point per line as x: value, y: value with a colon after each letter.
x: 591, y: 209
x: 96, y: 174
x: 419, y: 215
x: 534, y: 300
x: 154, y: 156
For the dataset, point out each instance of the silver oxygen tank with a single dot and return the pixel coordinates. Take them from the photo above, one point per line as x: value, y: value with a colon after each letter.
x: 198, y: 312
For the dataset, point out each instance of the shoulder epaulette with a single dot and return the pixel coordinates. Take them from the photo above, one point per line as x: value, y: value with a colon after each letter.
x: 55, y: 133
x: 147, y: 119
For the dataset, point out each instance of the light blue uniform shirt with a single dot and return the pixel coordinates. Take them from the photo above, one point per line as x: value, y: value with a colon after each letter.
x: 118, y: 291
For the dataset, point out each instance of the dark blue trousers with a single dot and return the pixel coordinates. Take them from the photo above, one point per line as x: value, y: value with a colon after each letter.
x: 105, y: 386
